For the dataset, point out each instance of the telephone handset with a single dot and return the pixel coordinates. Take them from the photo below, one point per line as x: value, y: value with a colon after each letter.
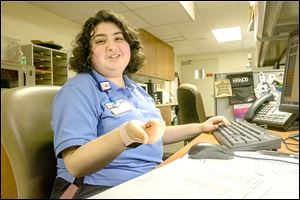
x: 265, y: 111
x: 256, y: 105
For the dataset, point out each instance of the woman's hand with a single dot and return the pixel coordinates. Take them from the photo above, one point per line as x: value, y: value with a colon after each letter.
x: 135, y: 130
x: 213, y: 122
x: 146, y: 133
x: 155, y: 129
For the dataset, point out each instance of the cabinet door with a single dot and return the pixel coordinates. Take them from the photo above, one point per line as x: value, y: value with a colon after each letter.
x: 162, y: 61
x: 166, y: 114
x: 171, y: 63
x: 149, y: 45
x: 165, y: 61
x: 159, y: 57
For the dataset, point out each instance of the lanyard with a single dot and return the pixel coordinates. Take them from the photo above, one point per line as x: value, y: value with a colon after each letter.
x: 116, y: 107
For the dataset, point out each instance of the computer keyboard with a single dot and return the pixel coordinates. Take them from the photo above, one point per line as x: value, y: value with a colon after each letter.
x: 242, y: 135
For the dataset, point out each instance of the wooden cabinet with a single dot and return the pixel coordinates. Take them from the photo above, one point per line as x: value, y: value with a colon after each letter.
x: 165, y: 61
x: 149, y: 44
x: 159, y: 57
x: 8, y: 186
x: 51, y: 66
x: 166, y: 114
x: 166, y: 111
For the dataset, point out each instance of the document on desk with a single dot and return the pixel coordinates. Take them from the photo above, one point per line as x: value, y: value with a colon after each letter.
x: 212, y: 178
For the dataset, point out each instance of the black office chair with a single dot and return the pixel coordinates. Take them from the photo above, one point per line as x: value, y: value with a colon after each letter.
x: 27, y: 138
x: 190, y: 104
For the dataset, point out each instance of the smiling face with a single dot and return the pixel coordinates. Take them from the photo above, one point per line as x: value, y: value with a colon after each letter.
x: 110, y: 51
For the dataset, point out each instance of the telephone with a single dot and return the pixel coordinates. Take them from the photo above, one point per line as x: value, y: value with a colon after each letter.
x: 265, y: 111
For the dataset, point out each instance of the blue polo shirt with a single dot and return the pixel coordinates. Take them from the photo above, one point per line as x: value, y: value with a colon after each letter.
x: 79, y: 115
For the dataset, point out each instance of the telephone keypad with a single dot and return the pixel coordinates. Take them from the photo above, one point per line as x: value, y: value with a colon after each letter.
x: 270, y: 115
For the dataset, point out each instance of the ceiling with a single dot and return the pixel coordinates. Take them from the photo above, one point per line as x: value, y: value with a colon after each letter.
x: 169, y: 21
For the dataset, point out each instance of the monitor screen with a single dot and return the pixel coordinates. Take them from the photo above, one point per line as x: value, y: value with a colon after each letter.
x: 289, y: 101
x: 144, y: 86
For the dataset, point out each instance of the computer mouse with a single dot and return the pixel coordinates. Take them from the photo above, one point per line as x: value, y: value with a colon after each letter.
x: 210, y: 151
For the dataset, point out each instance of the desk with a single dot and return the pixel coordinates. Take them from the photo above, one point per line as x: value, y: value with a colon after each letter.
x: 208, y: 137
x: 212, y: 178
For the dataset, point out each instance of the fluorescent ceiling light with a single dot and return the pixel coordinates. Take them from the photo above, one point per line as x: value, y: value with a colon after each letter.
x: 252, y: 3
x: 227, y: 34
x: 189, y: 7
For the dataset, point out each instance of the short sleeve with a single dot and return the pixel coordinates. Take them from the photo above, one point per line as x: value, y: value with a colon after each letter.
x: 74, y: 117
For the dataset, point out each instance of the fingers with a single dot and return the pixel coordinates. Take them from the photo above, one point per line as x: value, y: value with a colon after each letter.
x: 155, y: 129
x: 156, y: 123
x: 135, y: 130
x: 224, y: 120
x: 220, y: 119
x: 146, y: 133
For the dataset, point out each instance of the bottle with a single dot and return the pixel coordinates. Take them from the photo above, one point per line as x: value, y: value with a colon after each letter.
x: 175, y: 120
x: 23, y: 59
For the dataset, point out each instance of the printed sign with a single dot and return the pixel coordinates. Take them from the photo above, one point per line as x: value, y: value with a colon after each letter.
x: 223, y: 88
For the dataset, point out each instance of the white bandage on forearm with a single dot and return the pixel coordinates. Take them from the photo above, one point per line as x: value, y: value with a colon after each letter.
x: 124, y: 135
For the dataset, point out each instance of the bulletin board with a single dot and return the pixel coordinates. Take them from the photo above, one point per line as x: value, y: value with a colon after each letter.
x: 222, y: 94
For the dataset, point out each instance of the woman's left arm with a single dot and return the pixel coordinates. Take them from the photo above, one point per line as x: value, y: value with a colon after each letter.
x: 182, y: 132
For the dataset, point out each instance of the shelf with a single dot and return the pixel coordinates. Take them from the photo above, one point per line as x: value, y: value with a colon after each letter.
x: 43, y: 82
x: 51, y: 66
x: 41, y: 71
x: 59, y: 75
x: 41, y: 60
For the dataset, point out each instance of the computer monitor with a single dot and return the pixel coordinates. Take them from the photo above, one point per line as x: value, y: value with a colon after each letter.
x: 289, y: 101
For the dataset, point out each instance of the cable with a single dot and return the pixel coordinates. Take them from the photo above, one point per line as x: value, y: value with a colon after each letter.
x: 294, y: 136
x: 267, y: 159
x: 289, y: 145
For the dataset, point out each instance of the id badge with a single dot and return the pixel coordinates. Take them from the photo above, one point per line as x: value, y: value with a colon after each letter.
x: 118, y: 107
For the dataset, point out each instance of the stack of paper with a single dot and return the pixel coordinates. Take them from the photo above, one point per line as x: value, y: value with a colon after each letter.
x: 212, y: 178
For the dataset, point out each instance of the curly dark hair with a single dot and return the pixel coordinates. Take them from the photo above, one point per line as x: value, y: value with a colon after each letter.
x: 81, y: 59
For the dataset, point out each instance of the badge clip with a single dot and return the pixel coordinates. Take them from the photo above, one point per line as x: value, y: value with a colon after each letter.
x: 104, y: 86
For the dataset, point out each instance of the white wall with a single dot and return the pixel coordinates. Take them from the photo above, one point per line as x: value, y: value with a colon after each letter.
x: 226, y: 62
x: 206, y: 85
x: 27, y: 22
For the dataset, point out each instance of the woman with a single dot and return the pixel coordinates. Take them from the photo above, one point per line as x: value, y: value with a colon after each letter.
x: 107, y: 129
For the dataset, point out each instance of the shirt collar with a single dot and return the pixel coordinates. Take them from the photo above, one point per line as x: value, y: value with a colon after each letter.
x: 100, y: 78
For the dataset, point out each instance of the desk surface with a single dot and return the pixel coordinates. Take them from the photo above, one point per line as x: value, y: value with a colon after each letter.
x: 208, y: 137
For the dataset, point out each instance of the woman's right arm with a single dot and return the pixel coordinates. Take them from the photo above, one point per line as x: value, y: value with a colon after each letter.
x: 94, y: 155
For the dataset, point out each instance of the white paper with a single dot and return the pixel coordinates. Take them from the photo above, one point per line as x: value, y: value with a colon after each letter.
x: 213, y: 178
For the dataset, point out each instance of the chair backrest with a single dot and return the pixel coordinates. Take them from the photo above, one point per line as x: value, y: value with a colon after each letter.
x: 191, y: 108
x: 27, y: 138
